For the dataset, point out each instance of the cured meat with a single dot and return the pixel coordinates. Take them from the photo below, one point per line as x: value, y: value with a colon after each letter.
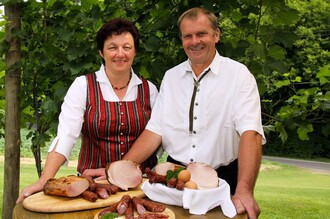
x: 162, y: 168
x: 203, y: 175
x: 90, y: 180
x: 123, y: 204
x: 153, y: 206
x: 129, y: 213
x: 154, y: 177
x: 112, y: 208
x: 137, y: 203
x: 67, y: 186
x: 124, y: 173
x: 89, y: 195
x: 101, y: 192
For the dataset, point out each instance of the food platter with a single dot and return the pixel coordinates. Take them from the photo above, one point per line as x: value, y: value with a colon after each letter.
x: 167, y: 211
x: 40, y: 202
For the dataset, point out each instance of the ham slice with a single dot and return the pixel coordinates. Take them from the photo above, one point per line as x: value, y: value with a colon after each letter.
x: 124, y: 173
x: 162, y: 168
x: 203, y: 175
x: 67, y: 186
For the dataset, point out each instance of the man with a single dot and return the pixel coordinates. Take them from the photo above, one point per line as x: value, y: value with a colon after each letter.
x: 208, y: 110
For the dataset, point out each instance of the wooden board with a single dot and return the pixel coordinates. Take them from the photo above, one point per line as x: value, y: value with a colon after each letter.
x: 40, y: 202
x: 167, y: 211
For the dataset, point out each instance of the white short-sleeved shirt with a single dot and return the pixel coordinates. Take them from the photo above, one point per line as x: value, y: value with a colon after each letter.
x: 73, y: 108
x: 227, y: 103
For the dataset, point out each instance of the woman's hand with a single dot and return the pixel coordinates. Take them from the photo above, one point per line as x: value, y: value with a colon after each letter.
x: 97, y: 174
x: 30, y: 190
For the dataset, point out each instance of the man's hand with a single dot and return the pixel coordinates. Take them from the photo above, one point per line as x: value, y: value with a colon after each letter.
x: 245, y: 202
x: 97, y: 174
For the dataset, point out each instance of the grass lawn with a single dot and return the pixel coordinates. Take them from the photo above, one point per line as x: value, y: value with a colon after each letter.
x: 288, y: 192
x: 281, y: 191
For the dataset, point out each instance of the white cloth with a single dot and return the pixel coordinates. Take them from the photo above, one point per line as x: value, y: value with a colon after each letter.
x: 197, y: 201
x: 227, y: 104
x: 73, y: 108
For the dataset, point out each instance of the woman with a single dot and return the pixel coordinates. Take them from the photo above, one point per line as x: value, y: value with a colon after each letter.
x: 109, y: 108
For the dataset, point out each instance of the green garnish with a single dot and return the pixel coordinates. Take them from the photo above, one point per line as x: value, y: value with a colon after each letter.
x: 173, y: 174
x: 109, y: 215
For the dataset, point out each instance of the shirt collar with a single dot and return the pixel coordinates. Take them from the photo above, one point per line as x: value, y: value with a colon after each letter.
x: 214, y: 66
x: 101, y: 77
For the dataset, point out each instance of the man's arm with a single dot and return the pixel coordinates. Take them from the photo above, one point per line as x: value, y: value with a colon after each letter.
x: 144, y: 146
x: 249, y: 160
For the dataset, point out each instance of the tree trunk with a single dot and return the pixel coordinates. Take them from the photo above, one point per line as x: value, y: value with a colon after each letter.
x: 12, y: 111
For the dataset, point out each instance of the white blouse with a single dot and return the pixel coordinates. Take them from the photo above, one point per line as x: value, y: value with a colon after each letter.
x: 71, y: 117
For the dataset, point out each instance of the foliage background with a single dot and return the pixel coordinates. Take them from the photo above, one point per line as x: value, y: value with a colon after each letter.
x: 285, y: 44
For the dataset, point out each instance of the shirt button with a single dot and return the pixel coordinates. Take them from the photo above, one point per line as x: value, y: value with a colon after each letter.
x: 191, y: 160
x: 121, y: 113
x: 122, y: 123
x: 194, y: 132
x: 193, y: 146
x: 119, y: 103
x: 195, y: 117
x: 196, y: 104
x: 198, y: 89
x: 122, y: 153
x: 121, y: 133
x: 121, y: 142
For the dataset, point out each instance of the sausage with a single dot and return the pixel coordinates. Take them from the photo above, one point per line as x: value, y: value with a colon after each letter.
x: 129, y: 213
x: 90, y: 180
x: 153, y: 206
x: 137, y: 203
x: 89, y: 195
x: 171, y: 183
x: 152, y: 216
x: 112, y: 189
x: 112, y: 208
x: 101, y: 192
x: 123, y: 204
x: 179, y: 185
x: 154, y: 177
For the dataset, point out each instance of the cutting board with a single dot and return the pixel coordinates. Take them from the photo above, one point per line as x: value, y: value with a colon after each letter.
x: 40, y: 202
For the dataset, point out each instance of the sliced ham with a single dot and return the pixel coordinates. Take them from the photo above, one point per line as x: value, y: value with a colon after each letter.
x: 124, y: 173
x: 203, y: 175
x: 68, y: 186
x: 162, y: 168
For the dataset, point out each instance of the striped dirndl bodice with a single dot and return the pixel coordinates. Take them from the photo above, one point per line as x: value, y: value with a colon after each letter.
x: 110, y: 128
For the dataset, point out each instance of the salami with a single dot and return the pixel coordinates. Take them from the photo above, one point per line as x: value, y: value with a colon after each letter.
x: 112, y: 189
x: 89, y: 195
x: 112, y: 209
x: 154, y: 177
x: 101, y: 192
x: 153, y: 206
x: 137, y: 203
x: 123, y: 204
x: 129, y: 213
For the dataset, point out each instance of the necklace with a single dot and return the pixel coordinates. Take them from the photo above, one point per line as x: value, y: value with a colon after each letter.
x: 120, y: 88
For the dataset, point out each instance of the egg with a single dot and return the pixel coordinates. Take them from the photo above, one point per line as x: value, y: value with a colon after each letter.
x: 191, y: 185
x: 184, y: 175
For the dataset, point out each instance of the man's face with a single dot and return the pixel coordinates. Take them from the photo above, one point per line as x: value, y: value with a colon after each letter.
x: 199, y: 39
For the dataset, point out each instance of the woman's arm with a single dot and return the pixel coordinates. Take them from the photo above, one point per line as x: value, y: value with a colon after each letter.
x: 53, y: 163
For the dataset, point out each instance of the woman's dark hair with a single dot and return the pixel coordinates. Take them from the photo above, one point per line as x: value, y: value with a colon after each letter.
x: 117, y: 26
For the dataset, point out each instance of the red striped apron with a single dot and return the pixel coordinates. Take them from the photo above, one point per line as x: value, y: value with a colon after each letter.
x: 110, y: 128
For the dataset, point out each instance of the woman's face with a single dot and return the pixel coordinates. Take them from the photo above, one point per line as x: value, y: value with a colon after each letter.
x: 118, y: 53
